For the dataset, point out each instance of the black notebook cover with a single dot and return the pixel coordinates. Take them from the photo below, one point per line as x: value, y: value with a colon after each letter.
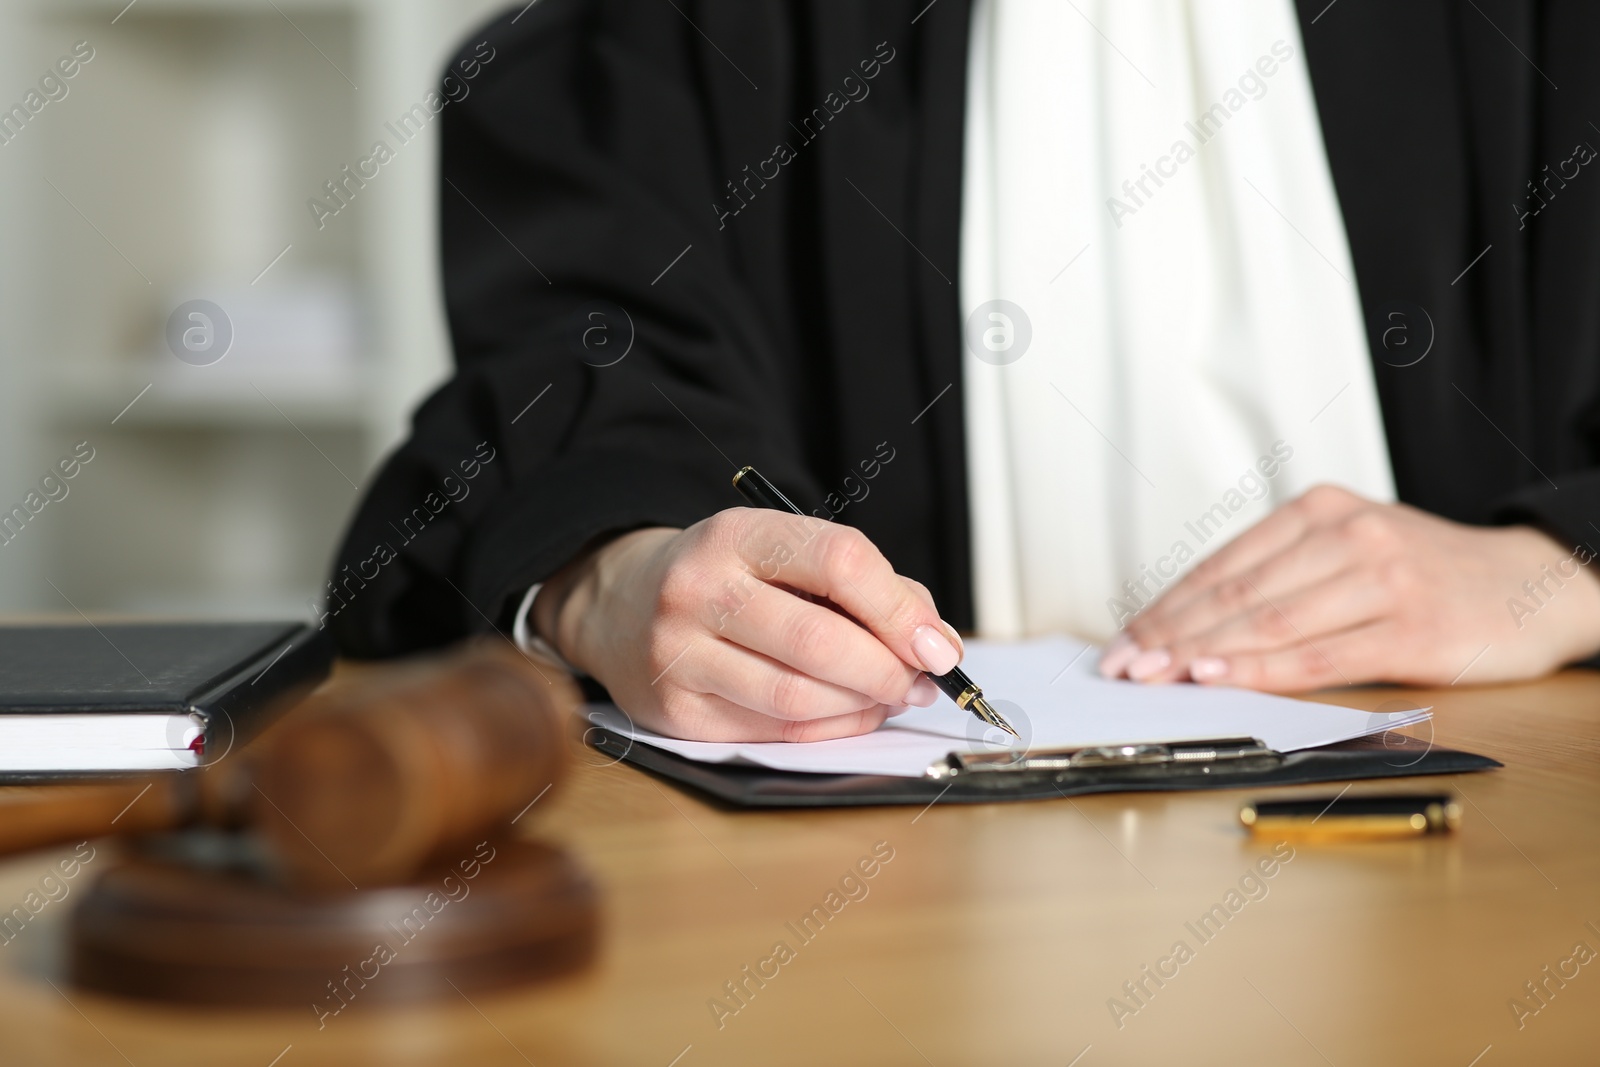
x: 228, y: 675
x: 1391, y: 755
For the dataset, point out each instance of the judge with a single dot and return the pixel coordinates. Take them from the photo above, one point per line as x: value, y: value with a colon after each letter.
x: 1259, y: 340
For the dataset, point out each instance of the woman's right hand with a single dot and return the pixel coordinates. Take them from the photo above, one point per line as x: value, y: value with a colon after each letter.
x: 751, y: 625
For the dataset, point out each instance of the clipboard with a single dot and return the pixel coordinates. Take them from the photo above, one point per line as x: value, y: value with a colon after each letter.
x: 985, y: 778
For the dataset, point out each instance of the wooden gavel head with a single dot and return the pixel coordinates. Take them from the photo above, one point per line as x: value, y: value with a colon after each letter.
x: 384, y: 799
x: 373, y: 777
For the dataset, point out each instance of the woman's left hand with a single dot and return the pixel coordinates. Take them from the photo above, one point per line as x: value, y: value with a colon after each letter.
x: 1334, y: 589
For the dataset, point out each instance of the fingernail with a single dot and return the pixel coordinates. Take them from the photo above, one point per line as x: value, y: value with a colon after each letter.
x: 922, y: 694
x: 1116, y: 656
x: 1208, y: 668
x: 955, y: 638
x: 1146, y: 664
x: 934, y: 649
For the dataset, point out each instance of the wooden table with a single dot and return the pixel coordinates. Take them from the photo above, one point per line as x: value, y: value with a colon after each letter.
x: 995, y: 934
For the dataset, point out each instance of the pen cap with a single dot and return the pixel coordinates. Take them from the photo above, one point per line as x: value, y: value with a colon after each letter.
x: 1378, y: 816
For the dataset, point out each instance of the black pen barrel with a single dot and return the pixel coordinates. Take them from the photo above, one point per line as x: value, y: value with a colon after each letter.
x: 957, y: 686
x: 760, y: 493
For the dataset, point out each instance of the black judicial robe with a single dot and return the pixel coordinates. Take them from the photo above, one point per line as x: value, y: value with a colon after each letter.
x: 795, y: 307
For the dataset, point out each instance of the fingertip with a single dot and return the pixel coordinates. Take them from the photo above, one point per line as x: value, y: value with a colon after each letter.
x: 936, y: 652
x: 1116, y: 656
x: 922, y: 694
x: 955, y: 639
x: 1146, y: 666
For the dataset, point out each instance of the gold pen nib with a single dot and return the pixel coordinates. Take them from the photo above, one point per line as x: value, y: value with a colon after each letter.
x: 986, y: 712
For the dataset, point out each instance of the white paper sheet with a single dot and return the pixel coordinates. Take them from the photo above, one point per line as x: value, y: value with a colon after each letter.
x: 1050, y: 691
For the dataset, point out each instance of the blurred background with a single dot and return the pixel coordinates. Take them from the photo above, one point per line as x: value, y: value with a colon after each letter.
x: 177, y: 163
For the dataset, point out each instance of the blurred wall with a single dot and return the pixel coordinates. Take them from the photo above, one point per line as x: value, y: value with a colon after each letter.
x: 210, y: 331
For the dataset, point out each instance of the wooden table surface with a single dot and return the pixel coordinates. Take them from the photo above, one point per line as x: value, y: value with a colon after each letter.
x: 994, y: 934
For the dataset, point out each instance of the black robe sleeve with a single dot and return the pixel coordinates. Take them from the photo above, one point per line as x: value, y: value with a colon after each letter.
x: 606, y: 352
x: 1448, y: 129
x: 624, y: 343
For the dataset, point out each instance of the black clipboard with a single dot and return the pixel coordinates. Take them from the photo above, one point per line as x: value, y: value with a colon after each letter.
x: 1225, y: 763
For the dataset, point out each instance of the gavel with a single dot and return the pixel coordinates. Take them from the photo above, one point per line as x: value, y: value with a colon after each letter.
x: 366, y: 781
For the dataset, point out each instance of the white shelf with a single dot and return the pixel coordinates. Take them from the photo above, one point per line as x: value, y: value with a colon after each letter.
x: 146, y: 397
x: 122, y: 11
x: 181, y: 162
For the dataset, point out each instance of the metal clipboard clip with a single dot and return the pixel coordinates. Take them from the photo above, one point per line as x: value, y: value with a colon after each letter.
x: 1141, y: 760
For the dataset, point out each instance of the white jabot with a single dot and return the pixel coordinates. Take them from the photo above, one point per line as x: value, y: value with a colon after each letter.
x: 1197, y: 353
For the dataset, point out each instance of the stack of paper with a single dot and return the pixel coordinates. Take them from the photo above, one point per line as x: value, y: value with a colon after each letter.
x: 1050, y: 691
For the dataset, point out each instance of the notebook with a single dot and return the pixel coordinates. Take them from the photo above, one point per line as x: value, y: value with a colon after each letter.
x: 86, y: 699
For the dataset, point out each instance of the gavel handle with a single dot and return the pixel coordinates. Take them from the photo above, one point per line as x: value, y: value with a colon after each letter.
x: 34, y: 817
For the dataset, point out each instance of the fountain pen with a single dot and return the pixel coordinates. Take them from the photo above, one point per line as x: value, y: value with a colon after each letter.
x: 761, y: 493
